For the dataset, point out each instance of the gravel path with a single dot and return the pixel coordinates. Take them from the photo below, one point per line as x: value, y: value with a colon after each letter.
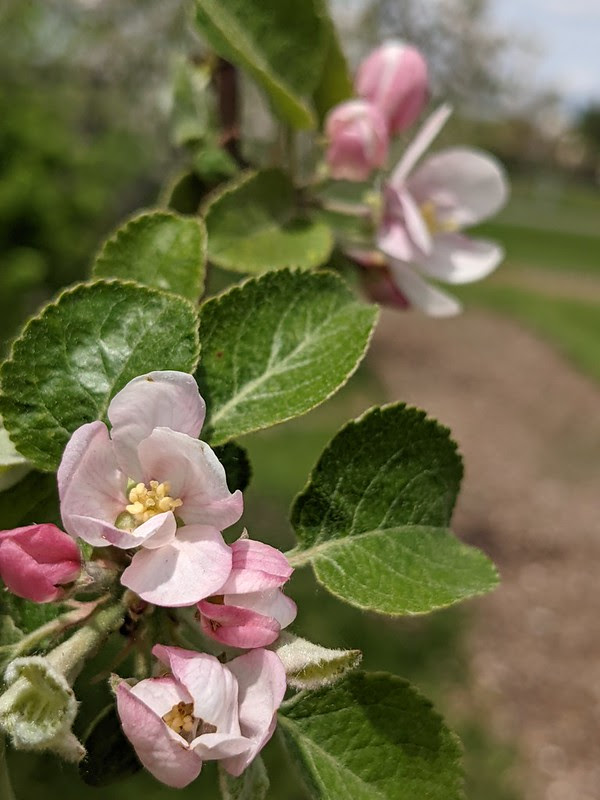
x: 528, y: 425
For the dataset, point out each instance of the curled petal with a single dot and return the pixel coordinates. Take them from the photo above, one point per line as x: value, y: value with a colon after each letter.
x: 272, y: 603
x: 157, y: 531
x: 169, y: 760
x: 90, y: 485
x: 196, y: 476
x: 255, y: 566
x: 458, y: 259
x: 464, y: 185
x: 191, y: 567
x: 420, y: 294
x: 236, y: 626
x: 425, y: 136
x: 166, y: 399
x: 161, y: 694
x: 212, y: 746
x: 262, y: 683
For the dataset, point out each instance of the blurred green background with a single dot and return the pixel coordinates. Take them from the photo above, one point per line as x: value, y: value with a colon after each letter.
x: 85, y: 140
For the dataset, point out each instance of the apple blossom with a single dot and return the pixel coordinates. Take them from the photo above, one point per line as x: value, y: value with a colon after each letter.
x: 394, y: 78
x: 250, y: 609
x: 36, y: 559
x: 425, y: 211
x: 358, y: 140
x: 202, y: 711
x: 152, y: 484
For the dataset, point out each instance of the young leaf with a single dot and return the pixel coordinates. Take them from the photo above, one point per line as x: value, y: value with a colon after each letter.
x: 371, y: 737
x: 109, y: 757
x: 158, y: 249
x: 277, y: 346
x: 253, y: 783
x: 253, y: 226
x: 71, y: 359
x: 237, y: 465
x: 335, y: 84
x: 281, y: 43
x: 308, y: 665
x: 372, y: 519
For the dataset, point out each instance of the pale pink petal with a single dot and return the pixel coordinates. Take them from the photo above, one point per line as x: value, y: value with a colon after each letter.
x: 155, y: 532
x: 464, y: 185
x: 422, y: 141
x: 212, y: 746
x: 459, y: 259
x: 394, y: 241
x: 262, y: 684
x: 272, y: 603
x: 415, y: 224
x: 420, y: 294
x: 236, y: 626
x: 23, y: 576
x: 161, y: 694
x: 166, y: 399
x: 358, y: 140
x: 191, y: 567
x: 196, y: 476
x: 90, y: 484
x: 169, y: 761
x: 213, y: 688
x: 256, y: 566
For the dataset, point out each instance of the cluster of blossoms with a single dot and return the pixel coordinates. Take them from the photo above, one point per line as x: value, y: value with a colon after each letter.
x: 150, y: 488
x: 423, y: 207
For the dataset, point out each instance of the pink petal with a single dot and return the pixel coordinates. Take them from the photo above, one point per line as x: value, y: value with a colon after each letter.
x: 459, y: 259
x: 161, y: 694
x: 167, y: 759
x: 236, y: 626
x: 90, y: 485
x: 191, y: 567
x: 157, y: 531
x: 23, y: 575
x: 196, y: 476
x: 465, y: 185
x: 420, y: 294
x: 272, y: 603
x: 358, y: 140
x: 255, y: 566
x: 262, y: 683
x: 212, y: 746
x: 55, y: 551
x: 165, y: 399
x: 422, y: 141
x: 213, y: 688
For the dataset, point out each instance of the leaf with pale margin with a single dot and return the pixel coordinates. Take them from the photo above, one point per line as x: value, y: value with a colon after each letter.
x: 32, y: 500
x: 253, y: 783
x: 371, y: 737
x: 281, y: 43
x: 373, y: 518
x: 277, y: 346
x: 335, y: 84
x: 158, y: 249
x: 308, y: 665
x: 80, y: 351
x: 13, y: 466
x: 253, y: 226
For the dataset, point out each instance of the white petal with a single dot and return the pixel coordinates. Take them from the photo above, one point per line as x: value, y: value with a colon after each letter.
x: 191, y: 567
x: 425, y: 136
x: 161, y: 694
x: 459, y: 259
x: 420, y: 294
x: 196, y: 476
x: 271, y: 603
x: 165, y: 399
x: 464, y: 185
x: 90, y: 484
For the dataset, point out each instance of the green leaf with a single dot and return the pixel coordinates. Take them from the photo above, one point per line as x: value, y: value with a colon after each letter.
x: 237, y: 465
x: 335, y: 84
x: 372, y: 737
x: 253, y: 226
x: 9, y: 633
x: 158, y: 249
x: 253, y: 784
x: 13, y: 467
x: 32, y: 500
x: 277, y: 346
x: 110, y: 757
x: 28, y: 616
x: 82, y: 349
x: 308, y: 665
x: 184, y: 193
x: 372, y: 519
x: 281, y: 43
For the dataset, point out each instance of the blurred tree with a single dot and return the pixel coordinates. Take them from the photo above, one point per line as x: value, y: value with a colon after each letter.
x: 588, y: 125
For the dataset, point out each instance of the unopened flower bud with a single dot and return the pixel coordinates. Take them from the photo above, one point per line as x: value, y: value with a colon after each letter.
x: 35, y: 559
x: 394, y: 78
x: 358, y: 140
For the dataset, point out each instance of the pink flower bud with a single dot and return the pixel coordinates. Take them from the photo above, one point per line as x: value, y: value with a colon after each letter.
x: 394, y: 78
x: 35, y: 559
x: 358, y: 140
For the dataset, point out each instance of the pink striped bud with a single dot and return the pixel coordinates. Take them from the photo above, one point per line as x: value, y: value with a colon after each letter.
x: 394, y: 78
x: 358, y: 140
x: 35, y: 559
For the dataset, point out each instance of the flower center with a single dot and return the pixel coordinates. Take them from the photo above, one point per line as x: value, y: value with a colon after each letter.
x: 147, y: 501
x: 433, y: 222
x: 181, y: 719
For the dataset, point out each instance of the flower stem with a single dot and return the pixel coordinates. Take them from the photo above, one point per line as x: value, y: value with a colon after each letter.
x: 6, y: 790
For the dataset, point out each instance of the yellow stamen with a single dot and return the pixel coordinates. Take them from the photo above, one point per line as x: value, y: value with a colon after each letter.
x: 181, y: 719
x: 147, y: 501
x: 433, y: 222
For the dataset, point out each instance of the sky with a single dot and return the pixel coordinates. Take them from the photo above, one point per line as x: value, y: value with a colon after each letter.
x: 567, y: 35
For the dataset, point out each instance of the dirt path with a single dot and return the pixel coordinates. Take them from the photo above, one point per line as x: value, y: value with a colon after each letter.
x: 528, y: 425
